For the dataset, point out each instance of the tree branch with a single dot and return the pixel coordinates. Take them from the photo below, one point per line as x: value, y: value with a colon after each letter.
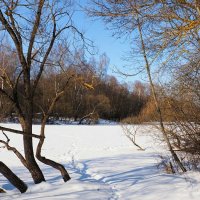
x: 11, y: 32
x: 20, y: 132
x: 34, y: 31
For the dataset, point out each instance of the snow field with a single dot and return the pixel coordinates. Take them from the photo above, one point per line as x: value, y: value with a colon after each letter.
x: 103, y: 164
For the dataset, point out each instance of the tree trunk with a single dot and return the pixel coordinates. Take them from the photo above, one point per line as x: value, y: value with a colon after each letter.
x: 55, y: 165
x: 14, y: 180
x: 2, y: 191
x: 33, y: 167
x: 156, y: 101
x: 49, y: 162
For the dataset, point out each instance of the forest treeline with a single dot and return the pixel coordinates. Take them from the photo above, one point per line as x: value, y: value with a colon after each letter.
x: 90, y: 93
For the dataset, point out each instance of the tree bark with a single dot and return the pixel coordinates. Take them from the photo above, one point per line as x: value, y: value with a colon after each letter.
x: 13, y: 179
x: 55, y: 165
x: 18, y: 132
x: 32, y: 165
x: 49, y: 162
x: 2, y: 191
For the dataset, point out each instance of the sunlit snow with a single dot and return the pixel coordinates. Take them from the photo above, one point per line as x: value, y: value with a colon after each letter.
x: 103, y: 164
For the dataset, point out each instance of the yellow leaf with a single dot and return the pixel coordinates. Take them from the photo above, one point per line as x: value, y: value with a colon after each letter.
x: 89, y: 86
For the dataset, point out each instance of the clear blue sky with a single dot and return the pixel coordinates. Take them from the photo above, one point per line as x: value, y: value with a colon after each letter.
x: 115, y: 49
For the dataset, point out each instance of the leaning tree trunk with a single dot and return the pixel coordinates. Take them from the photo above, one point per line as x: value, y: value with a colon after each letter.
x: 32, y: 165
x: 156, y: 101
x: 14, y: 180
x: 2, y: 191
x: 49, y: 162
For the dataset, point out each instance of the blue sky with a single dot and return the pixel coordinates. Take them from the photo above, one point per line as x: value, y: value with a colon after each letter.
x: 115, y: 49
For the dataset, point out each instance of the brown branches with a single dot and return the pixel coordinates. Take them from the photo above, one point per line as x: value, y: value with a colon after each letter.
x: 34, y: 31
x: 14, y: 37
x: 19, y: 132
x: 41, y: 158
x: 33, y: 41
x: 13, y: 149
x: 130, y: 131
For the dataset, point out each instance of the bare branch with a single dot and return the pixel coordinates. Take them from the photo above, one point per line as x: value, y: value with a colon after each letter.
x: 34, y: 31
x: 18, y: 43
x: 19, y: 132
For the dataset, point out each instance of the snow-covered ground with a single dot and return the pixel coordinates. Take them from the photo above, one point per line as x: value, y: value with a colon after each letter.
x: 103, y: 164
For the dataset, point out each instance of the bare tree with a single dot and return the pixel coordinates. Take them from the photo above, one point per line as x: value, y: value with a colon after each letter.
x: 33, y: 28
x: 156, y: 101
x: 163, y: 31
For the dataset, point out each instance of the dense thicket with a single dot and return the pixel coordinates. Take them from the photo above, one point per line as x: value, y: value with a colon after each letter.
x: 90, y: 94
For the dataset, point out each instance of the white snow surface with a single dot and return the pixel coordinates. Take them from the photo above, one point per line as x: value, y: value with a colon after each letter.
x: 103, y: 165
